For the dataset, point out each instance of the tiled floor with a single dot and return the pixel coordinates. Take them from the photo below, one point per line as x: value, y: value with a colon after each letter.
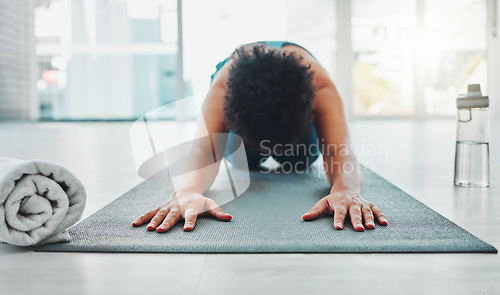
x: 416, y: 156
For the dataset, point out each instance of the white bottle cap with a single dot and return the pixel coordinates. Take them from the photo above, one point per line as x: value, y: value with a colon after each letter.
x: 473, y: 99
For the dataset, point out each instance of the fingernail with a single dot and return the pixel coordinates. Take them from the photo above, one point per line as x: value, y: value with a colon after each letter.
x: 339, y: 225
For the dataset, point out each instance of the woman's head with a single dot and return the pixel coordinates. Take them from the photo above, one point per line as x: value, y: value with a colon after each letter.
x: 269, y: 96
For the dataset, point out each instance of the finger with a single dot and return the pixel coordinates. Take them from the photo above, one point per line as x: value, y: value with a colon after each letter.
x: 172, y: 218
x: 217, y: 212
x: 190, y: 219
x: 316, y: 210
x: 368, y: 217
x: 380, y: 216
x: 356, y: 220
x: 145, y: 218
x: 158, y: 219
x: 339, y: 217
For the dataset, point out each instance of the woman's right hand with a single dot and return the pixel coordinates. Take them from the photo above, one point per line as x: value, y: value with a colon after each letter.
x: 181, y: 205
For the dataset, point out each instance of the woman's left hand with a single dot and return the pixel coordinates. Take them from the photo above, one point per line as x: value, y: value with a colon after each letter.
x: 343, y: 202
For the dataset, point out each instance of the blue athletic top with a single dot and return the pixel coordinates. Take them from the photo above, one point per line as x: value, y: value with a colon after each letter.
x: 272, y: 44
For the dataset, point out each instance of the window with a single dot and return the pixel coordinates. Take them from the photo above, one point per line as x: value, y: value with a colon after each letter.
x: 453, y: 51
x: 105, y: 59
x: 383, y: 42
x: 414, y: 57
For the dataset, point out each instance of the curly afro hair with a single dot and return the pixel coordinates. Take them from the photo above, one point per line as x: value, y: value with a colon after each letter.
x: 269, y: 97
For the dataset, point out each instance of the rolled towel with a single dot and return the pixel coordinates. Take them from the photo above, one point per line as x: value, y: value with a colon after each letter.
x: 38, y: 202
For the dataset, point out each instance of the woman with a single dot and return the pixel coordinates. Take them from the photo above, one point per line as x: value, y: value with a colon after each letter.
x: 277, y: 98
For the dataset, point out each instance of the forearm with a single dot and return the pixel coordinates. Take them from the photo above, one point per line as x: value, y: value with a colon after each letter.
x: 200, y: 172
x: 343, y: 172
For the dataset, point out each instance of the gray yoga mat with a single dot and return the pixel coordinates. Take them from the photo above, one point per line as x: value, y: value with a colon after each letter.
x: 267, y: 219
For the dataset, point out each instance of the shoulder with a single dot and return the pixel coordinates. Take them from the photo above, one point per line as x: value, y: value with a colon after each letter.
x: 221, y: 77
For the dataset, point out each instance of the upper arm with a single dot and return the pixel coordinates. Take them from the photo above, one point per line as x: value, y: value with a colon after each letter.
x: 213, y: 110
x: 212, y: 118
x: 329, y: 117
x: 213, y: 106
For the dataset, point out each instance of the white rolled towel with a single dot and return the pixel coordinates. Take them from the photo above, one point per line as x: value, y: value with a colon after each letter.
x: 38, y: 202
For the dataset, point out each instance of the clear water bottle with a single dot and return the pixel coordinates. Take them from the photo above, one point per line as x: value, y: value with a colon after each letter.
x: 472, y: 160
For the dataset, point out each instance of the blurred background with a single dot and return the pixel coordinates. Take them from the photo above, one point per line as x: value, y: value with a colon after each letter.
x: 118, y: 59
